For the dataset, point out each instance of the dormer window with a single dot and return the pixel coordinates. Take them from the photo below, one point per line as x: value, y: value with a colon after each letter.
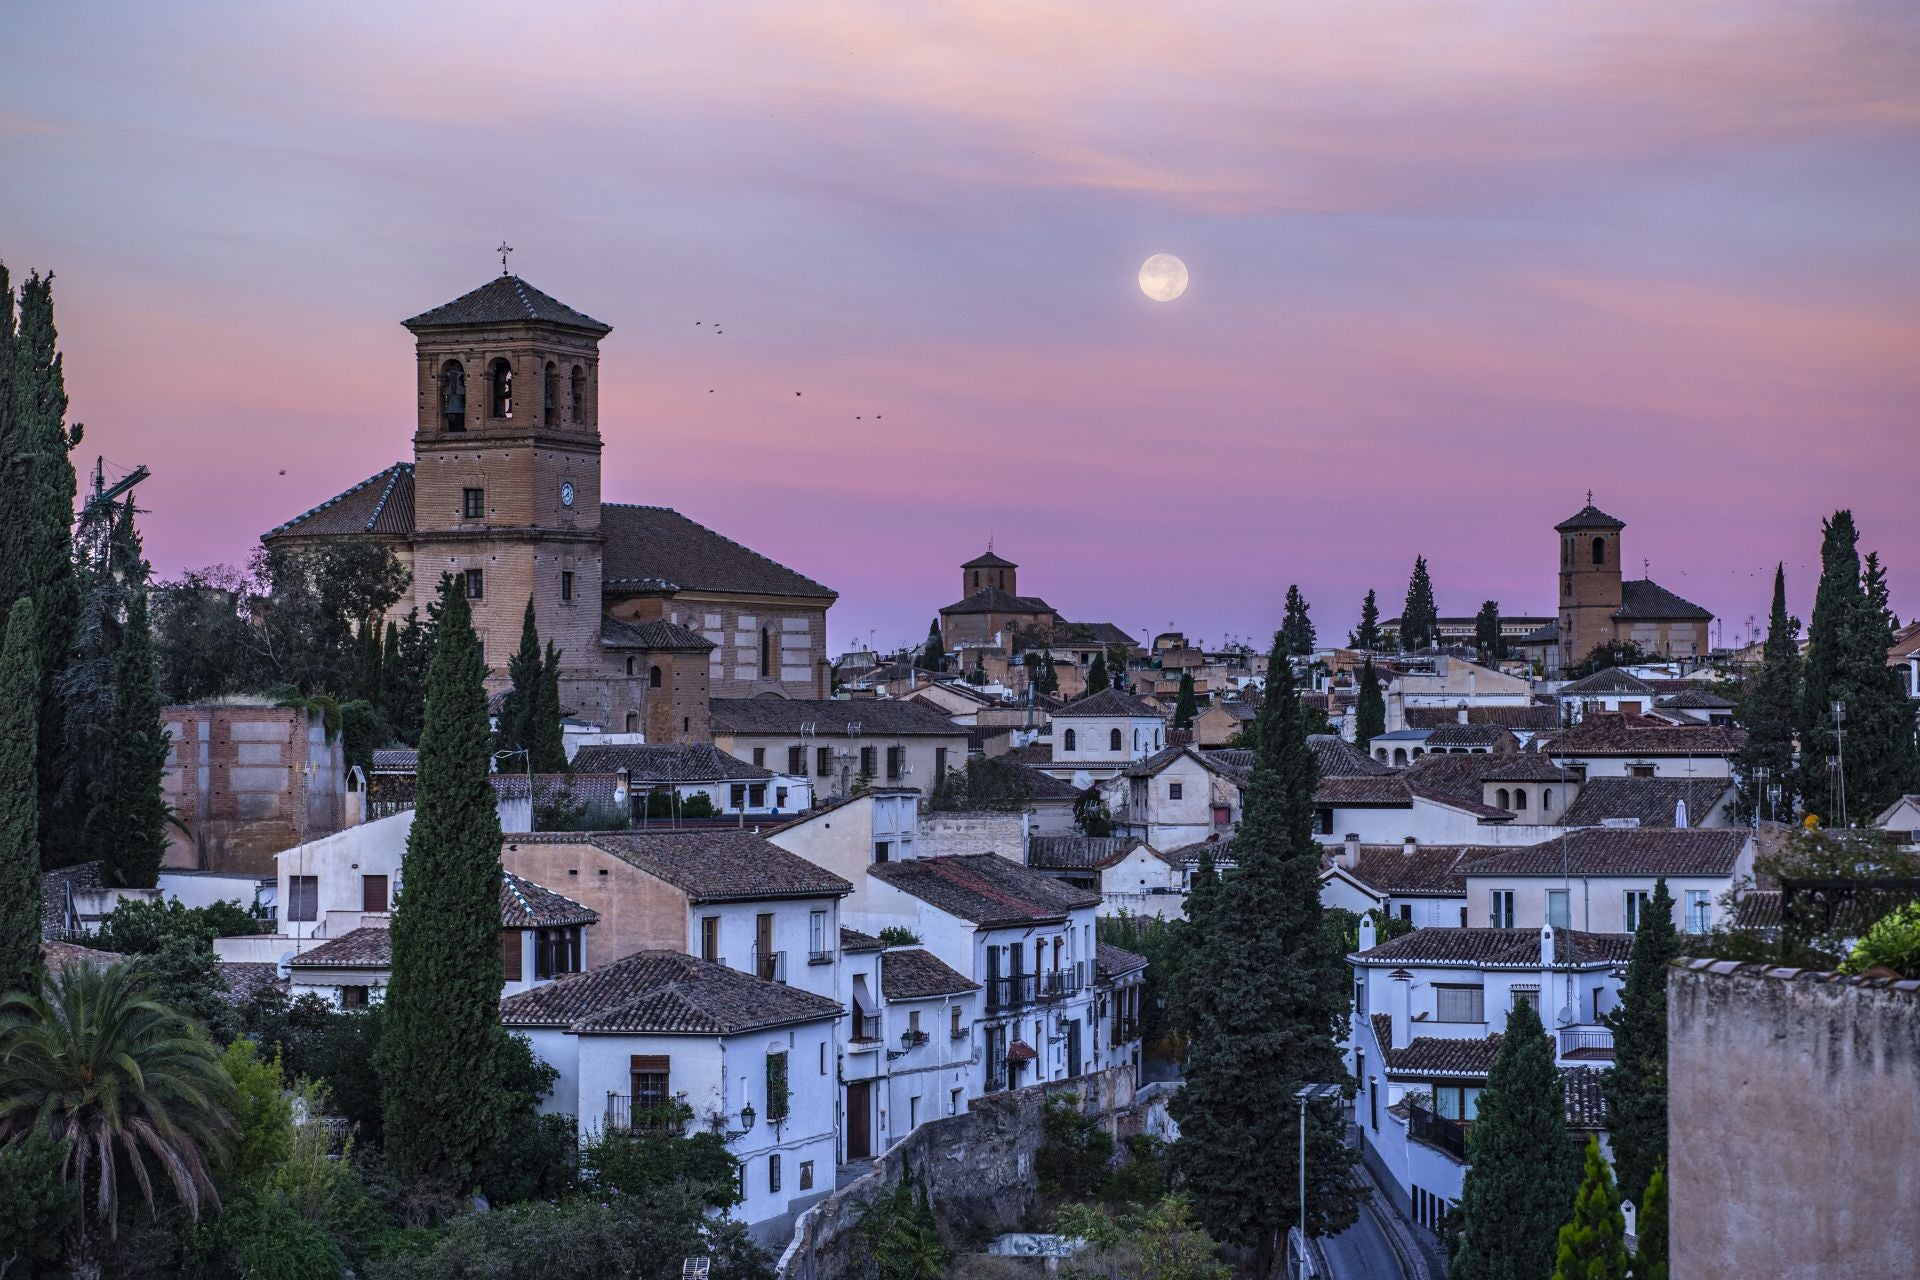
x: 453, y: 396
x: 500, y: 389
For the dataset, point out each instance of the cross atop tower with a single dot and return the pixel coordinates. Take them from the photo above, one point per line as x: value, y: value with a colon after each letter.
x: 506, y: 249
x: 1589, y: 492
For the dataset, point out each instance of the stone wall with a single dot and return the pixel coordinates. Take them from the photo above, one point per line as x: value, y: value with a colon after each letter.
x: 977, y: 1168
x: 248, y: 781
x: 1793, y: 1123
x: 949, y: 834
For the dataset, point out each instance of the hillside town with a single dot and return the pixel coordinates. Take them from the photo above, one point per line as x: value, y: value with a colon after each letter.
x: 493, y: 868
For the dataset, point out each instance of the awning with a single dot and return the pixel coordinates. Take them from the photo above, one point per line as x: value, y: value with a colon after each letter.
x: 863, y: 1000
x: 1020, y: 1051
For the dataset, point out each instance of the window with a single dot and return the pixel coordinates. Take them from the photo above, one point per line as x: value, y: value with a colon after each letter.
x: 1559, y: 912
x: 579, y: 394
x: 880, y: 850
x: 653, y: 676
x: 766, y: 654
x: 566, y: 586
x: 1070, y: 742
x: 1459, y: 1003
x: 1599, y: 550
x: 473, y: 504
x: 759, y: 757
x: 1637, y: 900
x: 303, y: 897
x: 1360, y: 992
x: 953, y: 1102
x: 1546, y: 800
x: 866, y: 761
x: 630, y: 664
x: 453, y: 396
x: 893, y: 764
x: 710, y: 938
x: 1502, y: 909
x: 1519, y: 800
x: 550, y: 395
x: 823, y: 761
x: 779, y: 1097
x: 757, y: 795
x: 939, y: 764
x: 1456, y: 1101
x: 913, y: 1111
x: 737, y: 795
x: 1528, y: 996
x: 1173, y: 791
x: 779, y: 797
x: 1699, y: 911
x: 1325, y: 816
x: 1406, y: 912
x: 1501, y: 799
x: 353, y: 997
x: 556, y: 951
x: 649, y: 1074
x: 1640, y: 770
x: 806, y: 1175
x: 500, y: 389
x: 954, y: 1027
x: 476, y: 584
x: 796, y: 760
x: 817, y: 934
x: 1114, y: 740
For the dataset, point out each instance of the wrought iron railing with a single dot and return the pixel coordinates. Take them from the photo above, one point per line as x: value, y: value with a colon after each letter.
x: 770, y: 966
x: 651, y: 1116
x: 1010, y: 993
x: 1449, y: 1136
x: 1588, y: 1042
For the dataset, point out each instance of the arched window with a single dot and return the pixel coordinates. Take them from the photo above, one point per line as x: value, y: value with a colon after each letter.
x: 550, y: 395
x: 453, y: 396
x: 633, y: 722
x: 1379, y: 753
x: 766, y: 654
x: 1071, y: 741
x: 1113, y: 740
x: 1546, y: 799
x: 653, y: 677
x: 630, y: 665
x: 577, y: 392
x: 1519, y: 800
x: 500, y: 389
x: 1599, y: 550
x: 1399, y: 755
x: 976, y: 579
x: 1500, y: 797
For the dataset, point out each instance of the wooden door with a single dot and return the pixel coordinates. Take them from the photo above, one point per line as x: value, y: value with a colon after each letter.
x: 373, y: 893
x: 860, y: 1120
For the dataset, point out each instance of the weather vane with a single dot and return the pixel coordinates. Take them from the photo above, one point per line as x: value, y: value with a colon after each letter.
x: 503, y: 251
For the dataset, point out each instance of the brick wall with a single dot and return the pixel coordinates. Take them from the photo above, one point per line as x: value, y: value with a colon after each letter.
x: 248, y: 782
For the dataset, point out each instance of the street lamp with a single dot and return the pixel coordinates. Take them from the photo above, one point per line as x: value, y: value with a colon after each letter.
x: 1840, y: 757
x: 1303, y: 1095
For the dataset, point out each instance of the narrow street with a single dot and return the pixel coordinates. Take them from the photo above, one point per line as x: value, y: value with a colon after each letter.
x: 1362, y: 1251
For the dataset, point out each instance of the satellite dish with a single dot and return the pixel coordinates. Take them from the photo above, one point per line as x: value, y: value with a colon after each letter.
x: 284, y: 967
x: 1565, y: 1015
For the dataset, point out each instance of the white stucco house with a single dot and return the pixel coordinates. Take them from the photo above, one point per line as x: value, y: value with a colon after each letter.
x: 1130, y: 875
x: 1097, y: 736
x: 1608, y: 744
x: 1600, y: 881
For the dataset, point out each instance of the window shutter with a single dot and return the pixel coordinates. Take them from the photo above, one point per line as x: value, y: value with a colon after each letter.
x: 653, y: 1062
x: 510, y: 967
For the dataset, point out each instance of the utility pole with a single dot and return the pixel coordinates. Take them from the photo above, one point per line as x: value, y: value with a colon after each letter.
x: 1840, y: 758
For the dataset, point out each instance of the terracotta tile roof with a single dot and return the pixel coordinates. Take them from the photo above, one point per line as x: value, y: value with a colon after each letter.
x: 1607, y: 680
x: 1586, y: 1103
x: 1485, y: 812
x: 1646, y: 599
x: 1695, y: 699
x: 1338, y: 758
x: 830, y: 718
x: 242, y: 980
x: 664, y: 993
x: 1430, y: 871
x: 1386, y: 791
x: 1078, y: 853
x: 1524, y: 766
x: 646, y: 763
x: 1497, y: 948
x: 1188, y: 855
x: 1235, y: 763
x: 1434, y: 1055
x: 550, y: 788
x: 1468, y: 735
x: 505, y: 299
x: 650, y: 546
x: 854, y: 940
x: 1608, y: 733
x: 1107, y: 702
x: 363, y: 948
x: 985, y: 889
x: 722, y: 866
x: 656, y: 635
x: 912, y: 974
x: 526, y: 905
x: 1454, y: 775
x: 1038, y: 753
x: 1044, y: 786
x: 381, y: 504
x: 1542, y: 716
x: 1758, y: 909
x: 396, y: 760
x: 1589, y: 517
x: 994, y: 600
x: 1651, y: 800
x: 988, y: 560
x: 1621, y: 851
x: 1110, y: 962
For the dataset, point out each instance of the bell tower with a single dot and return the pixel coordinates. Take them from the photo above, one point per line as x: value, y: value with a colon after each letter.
x: 507, y: 467
x: 989, y: 570
x: 1589, y: 581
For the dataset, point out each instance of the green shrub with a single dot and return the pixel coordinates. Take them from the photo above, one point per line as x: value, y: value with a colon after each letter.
x: 1075, y: 1150
x: 1892, y: 943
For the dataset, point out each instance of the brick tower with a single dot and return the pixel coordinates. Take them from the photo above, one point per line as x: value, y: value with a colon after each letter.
x: 989, y: 570
x: 507, y: 469
x: 1589, y: 581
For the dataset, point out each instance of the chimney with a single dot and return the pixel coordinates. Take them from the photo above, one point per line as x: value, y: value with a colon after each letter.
x: 1546, y: 946
x: 1402, y: 1015
x: 1680, y: 814
x: 1461, y: 714
x: 1369, y: 939
x: 620, y: 778
x: 1410, y: 846
x: 1350, y: 854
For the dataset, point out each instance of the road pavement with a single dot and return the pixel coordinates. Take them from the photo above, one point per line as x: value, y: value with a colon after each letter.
x: 1362, y: 1251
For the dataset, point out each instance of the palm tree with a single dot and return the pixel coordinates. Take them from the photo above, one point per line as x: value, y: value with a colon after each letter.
x: 100, y: 1067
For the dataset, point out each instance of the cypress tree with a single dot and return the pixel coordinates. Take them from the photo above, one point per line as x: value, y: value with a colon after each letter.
x: 527, y: 670
x: 19, y: 810
x: 1523, y: 1170
x: 1486, y: 632
x: 1593, y: 1246
x: 1420, y: 618
x: 1278, y: 999
x: 1368, y: 635
x: 370, y: 680
x: 934, y: 656
x: 37, y: 489
x: 130, y: 804
x: 1046, y: 680
x: 1097, y: 674
x: 1371, y: 707
x: 1768, y: 710
x: 1296, y: 626
x: 1187, y: 706
x: 441, y: 1046
x: 546, y: 739
x: 1636, y: 1085
x: 406, y: 672
x: 110, y: 571
x: 1650, y: 1230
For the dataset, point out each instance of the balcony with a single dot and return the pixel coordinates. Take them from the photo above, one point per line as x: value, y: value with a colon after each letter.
x: 651, y: 1117
x: 1586, y: 1044
x: 1005, y: 994
x: 819, y: 957
x: 1449, y: 1136
x: 770, y: 966
x: 864, y: 1035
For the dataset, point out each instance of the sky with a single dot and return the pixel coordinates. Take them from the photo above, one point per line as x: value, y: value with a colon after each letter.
x: 1451, y: 267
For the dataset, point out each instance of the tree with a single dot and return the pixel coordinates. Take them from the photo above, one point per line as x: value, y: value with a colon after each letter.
x: 525, y: 671
x: 202, y: 634
x: 185, y: 977
x: 546, y: 738
x: 1593, y: 1246
x: 1892, y: 944
x: 1158, y: 1241
x: 1768, y: 711
x: 130, y: 809
x: 96, y: 1064
x: 39, y: 1204
x: 1487, y: 636
x: 1367, y: 637
x: 1297, y: 627
x: 1650, y: 1230
x: 1186, y: 707
x: 662, y: 1154
x: 1041, y: 676
x: 1610, y: 653
x: 406, y: 671
x: 372, y: 678
x: 1636, y: 1086
x: 1522, y: 1171
x: 901, y: 1237
x: 19, y: 802
x: 1847, y: 643
x: 441, y: 1050
x: 934, y: 656
x: 37, y: 489
x: 1277, y: 1004
x: 1370, y: 707
x: 1097, y: 674
x: 1420, y: 617
x: 1090, y: 814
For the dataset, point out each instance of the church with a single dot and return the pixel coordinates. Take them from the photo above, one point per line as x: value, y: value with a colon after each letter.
x: 653, y: 613
x: 1598, y: 606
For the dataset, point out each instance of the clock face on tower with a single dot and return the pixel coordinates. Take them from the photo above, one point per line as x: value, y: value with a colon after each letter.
x: 566, y: 493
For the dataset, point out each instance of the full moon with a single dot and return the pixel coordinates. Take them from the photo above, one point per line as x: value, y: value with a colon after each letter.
x: 1163, y: 277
